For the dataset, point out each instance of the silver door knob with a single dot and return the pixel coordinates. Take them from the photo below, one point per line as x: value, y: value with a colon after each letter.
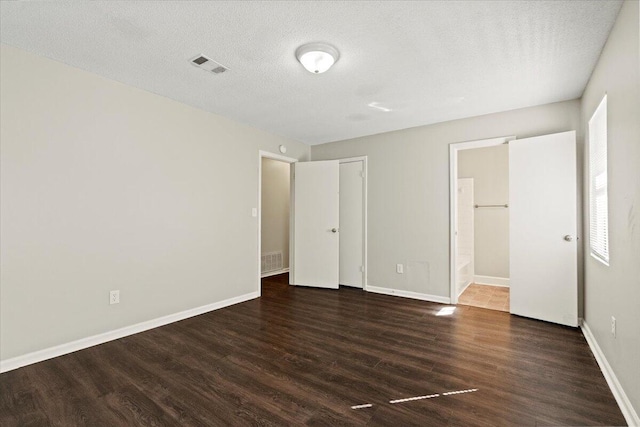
x: 334, y: 230
x: 568, y: 238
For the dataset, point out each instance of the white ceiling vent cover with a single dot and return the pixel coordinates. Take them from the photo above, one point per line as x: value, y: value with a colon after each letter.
x: 208, y: 64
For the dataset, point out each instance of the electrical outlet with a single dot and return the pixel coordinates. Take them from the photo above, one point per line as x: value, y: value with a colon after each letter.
x: 399, y: 268
x: 613, y: 326
x: 114, y: 297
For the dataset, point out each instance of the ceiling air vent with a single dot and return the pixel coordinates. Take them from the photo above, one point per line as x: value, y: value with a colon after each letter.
x: 208, y: 64
x: 200, y: 60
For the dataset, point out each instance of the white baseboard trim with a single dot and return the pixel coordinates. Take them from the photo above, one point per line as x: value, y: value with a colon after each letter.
x: 274, y: 273
x: 464, y: 288
x: 70, y: 347
x: 408, y: 294
x: 630, y: 415
x: 493, y: 281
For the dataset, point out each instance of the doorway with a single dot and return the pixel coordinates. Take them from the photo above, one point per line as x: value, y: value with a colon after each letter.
x: 348, y: 229
x: 330, y: 223
x: 542, y: 218
x: 274, y: 216
x: 482, y: 232
x: 477, y: 212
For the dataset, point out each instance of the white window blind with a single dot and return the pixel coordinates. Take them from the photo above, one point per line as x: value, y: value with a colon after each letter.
x: 598, y: 204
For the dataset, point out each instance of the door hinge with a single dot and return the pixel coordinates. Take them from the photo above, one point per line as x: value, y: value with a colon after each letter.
x: 362, y: 269
x: 361, y: 174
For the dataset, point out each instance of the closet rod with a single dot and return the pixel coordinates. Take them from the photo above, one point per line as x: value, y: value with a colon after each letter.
x: 492, y: 206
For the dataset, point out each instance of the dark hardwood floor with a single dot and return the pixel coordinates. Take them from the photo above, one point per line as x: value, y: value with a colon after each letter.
x: 301, y: 356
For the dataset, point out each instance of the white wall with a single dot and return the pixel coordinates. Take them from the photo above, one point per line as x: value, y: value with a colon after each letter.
x: 409, y: 189
x: 615, y: 290
x: 275, y: 208
x: 109, y: 187
x: 489, y: 168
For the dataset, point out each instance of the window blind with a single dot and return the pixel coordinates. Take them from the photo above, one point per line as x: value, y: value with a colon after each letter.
x: 598, y: 202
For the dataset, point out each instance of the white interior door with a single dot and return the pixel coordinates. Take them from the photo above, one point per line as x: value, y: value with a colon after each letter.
x: 316, y: 223
x: 351, y: 224
x: 542, y: 228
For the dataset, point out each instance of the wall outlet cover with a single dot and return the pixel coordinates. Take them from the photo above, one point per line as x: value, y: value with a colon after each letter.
x: 114, y: 297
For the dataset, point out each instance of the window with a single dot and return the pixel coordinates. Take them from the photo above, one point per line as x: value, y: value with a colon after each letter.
x: 598, y: 205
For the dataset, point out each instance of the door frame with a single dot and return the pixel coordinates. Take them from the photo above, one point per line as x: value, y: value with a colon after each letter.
x: 268, y: 155
x: 454, y: 148
x: 365, y: 190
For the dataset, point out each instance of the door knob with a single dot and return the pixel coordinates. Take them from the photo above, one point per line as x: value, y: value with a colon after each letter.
x: 334, y: 230
x: 568, y: 237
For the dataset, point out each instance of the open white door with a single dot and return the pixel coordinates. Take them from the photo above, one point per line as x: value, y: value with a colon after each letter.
x: 315, y: 225
x: 542, y: 228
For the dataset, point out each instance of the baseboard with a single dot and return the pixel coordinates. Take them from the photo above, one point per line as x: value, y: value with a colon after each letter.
x: 62, y: 349
x: 492, y: 281
x: 630, y: 415
x: 274, y: 273
x: 464, y: 288
x: 408, y: 294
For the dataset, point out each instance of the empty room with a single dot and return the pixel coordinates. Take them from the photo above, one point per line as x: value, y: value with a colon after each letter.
x: 320, y: 213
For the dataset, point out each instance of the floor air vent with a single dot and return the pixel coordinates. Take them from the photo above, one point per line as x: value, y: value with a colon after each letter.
x: 271, y: 261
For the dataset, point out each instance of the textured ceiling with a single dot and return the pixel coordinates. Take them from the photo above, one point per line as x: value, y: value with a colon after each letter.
x: 426, y: 62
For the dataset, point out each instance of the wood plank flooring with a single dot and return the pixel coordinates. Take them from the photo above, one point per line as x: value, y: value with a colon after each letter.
x: 302, y: 356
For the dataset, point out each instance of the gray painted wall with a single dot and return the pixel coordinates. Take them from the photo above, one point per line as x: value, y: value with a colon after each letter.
x: 109, y: 187
x: 614, y: 290
x: 409, y: 189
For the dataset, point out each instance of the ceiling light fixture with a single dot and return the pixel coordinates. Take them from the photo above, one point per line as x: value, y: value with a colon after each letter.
x: 317, y: 57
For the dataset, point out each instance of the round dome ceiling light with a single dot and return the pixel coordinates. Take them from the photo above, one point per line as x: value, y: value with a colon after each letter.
x: 317, y: 57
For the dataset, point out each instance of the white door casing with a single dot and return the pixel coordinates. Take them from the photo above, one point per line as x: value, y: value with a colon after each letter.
x: 543, y: 228
x: 351, y: 224
x: 316, y: 224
